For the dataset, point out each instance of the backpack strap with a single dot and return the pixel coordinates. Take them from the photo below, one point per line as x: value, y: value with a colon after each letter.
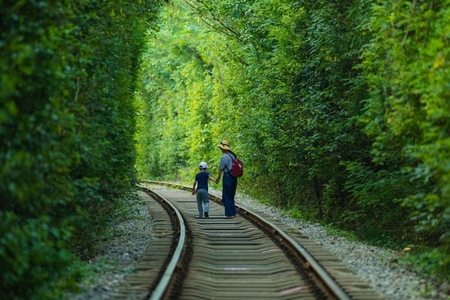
x: 233, y: 156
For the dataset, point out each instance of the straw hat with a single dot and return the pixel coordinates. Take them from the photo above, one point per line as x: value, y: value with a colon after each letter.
x: 225, y: 145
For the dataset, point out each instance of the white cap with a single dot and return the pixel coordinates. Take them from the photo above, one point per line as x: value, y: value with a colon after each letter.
x: 203, y: 165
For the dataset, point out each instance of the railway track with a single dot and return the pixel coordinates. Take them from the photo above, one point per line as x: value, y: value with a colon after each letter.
x: 250, y: 256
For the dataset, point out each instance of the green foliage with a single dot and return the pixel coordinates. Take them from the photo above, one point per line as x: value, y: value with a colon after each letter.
x: 338, y: 108
x: 177, y: 100
x: 348, y: 235
x: 295, y: 213
x: 430, y: 261
x: 406, y: 63
x: 67, y: 124
x: 32, y: 257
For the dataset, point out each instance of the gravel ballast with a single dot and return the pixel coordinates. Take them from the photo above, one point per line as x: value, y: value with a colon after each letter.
x: 119, y: 255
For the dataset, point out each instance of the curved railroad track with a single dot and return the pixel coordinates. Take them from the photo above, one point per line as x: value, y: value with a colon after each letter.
x: 250, y: 256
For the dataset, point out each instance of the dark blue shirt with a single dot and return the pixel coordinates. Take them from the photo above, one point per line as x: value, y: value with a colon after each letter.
x: 202, y: 180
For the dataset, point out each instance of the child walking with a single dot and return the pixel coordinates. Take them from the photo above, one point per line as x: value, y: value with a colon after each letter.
x: 201, y: 188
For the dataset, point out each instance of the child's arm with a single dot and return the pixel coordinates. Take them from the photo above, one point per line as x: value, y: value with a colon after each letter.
x: 193, y: 187
x: 212, y: 179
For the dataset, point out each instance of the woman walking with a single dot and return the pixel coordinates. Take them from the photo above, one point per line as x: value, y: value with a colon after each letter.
x: 229, y: 183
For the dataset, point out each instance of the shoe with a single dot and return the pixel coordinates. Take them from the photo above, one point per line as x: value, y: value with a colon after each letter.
x: 206, y: 215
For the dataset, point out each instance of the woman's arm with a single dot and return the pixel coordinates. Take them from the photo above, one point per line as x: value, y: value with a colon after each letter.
x: 212, y: 179
x: 219, y: 175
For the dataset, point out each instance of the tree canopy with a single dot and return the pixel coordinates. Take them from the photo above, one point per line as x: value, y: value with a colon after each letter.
x: 338, y: 108
x: 69, y: 71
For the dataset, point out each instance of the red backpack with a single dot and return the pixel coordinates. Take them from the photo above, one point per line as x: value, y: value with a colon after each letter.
x: 237, y: 166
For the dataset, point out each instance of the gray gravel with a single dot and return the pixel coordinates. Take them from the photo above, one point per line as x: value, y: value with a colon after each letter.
x: 118, y: 256
x: 376, y: 265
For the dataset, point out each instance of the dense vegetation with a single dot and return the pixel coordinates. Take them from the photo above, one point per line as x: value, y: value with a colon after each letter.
x: 69, y: 71
x: 340, y: 110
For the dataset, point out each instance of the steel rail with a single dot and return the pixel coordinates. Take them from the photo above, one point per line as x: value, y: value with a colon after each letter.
x: 317, y: 271
x: 333, y: 290
x: 161, y: 290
